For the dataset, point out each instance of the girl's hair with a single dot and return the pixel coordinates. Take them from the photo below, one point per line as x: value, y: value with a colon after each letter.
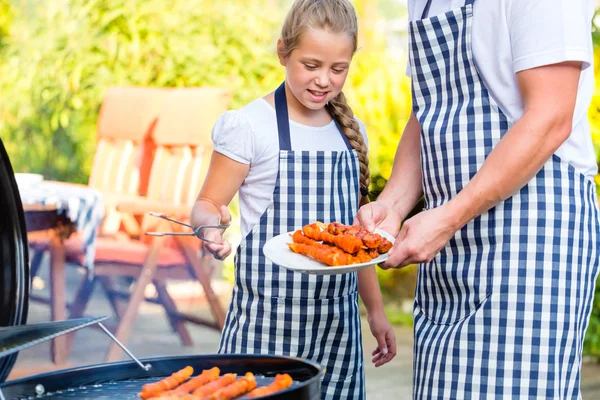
x: 336, y: 16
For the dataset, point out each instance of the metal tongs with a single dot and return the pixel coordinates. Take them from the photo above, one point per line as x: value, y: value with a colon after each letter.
x: 197, y: 230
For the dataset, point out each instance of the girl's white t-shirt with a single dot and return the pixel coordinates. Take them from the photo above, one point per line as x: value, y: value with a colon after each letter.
x: 249, y: 135
x: 513, y: 35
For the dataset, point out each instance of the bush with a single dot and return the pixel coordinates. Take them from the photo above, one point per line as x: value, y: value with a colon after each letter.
x: 55, y: 74
x: 592, y: 339
x: 6, y: 15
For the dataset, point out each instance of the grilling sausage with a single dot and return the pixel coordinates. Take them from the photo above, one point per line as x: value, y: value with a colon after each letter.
x: 153, y: 389
x: 213, y: 386
x: 238, y: 388
x: 208, y: 375
x: 282, y: 381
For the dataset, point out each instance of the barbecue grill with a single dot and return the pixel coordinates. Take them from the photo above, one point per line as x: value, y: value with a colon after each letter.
x: 114, y: 381
x: 124, y: 380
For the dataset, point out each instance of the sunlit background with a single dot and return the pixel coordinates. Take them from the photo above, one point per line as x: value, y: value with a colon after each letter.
x: 58, y: 57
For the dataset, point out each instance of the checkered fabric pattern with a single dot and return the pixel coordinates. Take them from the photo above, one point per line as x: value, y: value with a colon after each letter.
x: 501, y: 311
x: 82, y: 205
x: 278, y: 311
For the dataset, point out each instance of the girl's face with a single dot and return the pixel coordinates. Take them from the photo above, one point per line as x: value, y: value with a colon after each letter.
x: 316, y: 70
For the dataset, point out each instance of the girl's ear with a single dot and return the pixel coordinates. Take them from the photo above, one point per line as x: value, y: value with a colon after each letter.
x: 280, y: 52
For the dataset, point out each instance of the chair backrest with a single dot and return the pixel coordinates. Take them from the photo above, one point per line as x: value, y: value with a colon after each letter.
x: 182, y: 136
x: 123, y: 153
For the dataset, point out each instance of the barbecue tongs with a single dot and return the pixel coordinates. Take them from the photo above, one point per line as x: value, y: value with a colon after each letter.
x: 197, y: 230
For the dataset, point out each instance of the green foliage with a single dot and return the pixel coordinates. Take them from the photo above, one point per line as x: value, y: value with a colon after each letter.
x: 592, y: 339
x: 64, y: 55
x: 591, y: 346
x: 6, y: 16
x: 58, y: 58
x: 379, y: 93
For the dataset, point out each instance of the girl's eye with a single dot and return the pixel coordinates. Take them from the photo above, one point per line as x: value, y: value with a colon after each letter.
x: 338, y: 71
x: 310, y: 66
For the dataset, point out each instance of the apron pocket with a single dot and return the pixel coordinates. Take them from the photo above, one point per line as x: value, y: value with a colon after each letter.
x: 450, y: 318
x: 324, y: 330
x: 447, y: 294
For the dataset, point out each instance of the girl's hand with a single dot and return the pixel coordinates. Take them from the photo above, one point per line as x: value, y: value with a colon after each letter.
x: 221, y: 248
x: 386, y: 339
x: 421, y: 238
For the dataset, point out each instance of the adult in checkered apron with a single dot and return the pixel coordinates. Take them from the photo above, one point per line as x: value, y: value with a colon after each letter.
x: 297, y: 156
x: 500, y: 147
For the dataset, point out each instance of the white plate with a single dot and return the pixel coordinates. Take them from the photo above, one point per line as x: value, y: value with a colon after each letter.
x: 278, y: 252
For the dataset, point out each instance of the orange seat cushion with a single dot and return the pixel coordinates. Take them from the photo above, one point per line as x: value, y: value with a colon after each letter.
x: 130, y: 252
x: 117, y: 251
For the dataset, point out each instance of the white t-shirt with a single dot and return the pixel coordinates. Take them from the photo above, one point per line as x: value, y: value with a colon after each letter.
x: 514, y: 35
x: 249, y: 135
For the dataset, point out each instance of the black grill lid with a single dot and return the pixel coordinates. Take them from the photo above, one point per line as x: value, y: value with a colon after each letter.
x: 14, y: 258
x: 17, y: 338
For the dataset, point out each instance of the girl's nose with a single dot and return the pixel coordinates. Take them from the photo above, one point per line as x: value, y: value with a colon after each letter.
x: 322, y: 79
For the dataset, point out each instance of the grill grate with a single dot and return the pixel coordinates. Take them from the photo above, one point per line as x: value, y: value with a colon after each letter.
x: 121, y: 390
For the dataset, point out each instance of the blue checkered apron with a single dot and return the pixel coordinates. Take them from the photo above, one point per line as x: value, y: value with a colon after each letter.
x: 277, y: 311
x: 502, y: 310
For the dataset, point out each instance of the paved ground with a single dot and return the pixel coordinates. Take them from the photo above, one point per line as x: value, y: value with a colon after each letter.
x: 152, y: 337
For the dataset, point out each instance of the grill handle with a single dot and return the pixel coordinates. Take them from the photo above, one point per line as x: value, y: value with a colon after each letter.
x: 125, y: 349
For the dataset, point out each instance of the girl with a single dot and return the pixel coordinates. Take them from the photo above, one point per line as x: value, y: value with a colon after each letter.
x: 296, y: 156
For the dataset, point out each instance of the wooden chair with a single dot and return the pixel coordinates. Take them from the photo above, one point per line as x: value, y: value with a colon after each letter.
x: 120, y: 169
x: 123, y: 155
x: 183, y: 148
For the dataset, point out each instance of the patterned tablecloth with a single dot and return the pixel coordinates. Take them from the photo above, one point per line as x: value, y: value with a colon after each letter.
x: 81, y: 205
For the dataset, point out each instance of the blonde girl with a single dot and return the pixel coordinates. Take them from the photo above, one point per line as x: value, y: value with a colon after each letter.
x: 298, y: 155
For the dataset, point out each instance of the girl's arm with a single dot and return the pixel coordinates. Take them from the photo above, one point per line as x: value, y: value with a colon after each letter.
x: 370, y: 293
x: 403, y: 190
x: 223, y: 180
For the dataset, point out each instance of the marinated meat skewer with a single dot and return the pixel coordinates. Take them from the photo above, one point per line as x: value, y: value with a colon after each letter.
x: 348, y: 243
x: 371, y: 240
x: 326, y: 256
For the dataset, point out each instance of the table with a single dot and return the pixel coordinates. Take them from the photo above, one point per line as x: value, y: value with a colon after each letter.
x: 54, y: 211
x: 80, y: 204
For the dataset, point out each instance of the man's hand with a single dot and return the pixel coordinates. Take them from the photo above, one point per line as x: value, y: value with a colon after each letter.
x: 421, y: 238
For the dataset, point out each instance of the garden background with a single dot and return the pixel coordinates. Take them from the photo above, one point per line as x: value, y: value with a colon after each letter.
x: 58, y: 57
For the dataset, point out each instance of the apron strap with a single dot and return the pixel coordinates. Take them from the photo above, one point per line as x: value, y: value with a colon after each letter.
x: 283, y: 121
x: 428, y: 5
x: 426, y: 9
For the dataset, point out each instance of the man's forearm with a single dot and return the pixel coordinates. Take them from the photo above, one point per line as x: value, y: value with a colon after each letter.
x: 404, y: 188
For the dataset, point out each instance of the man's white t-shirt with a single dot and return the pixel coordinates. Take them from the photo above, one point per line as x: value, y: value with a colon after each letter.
x: 249, y: 135
x: 513, y: 35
